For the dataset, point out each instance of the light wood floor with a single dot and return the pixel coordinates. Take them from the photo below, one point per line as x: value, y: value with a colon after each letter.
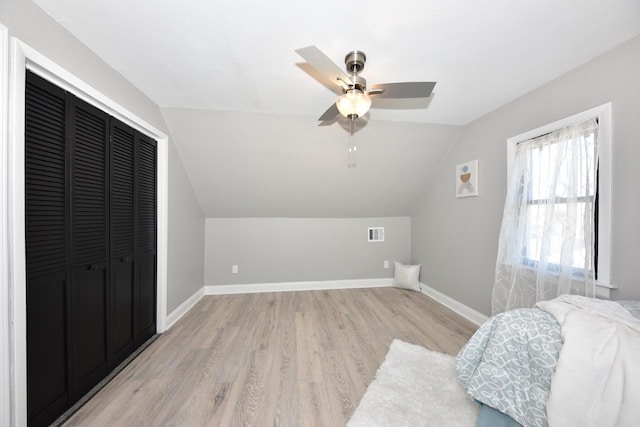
x: 290, y: 359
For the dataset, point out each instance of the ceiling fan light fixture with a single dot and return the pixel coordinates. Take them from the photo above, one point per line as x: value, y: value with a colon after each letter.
x: 354, y: 103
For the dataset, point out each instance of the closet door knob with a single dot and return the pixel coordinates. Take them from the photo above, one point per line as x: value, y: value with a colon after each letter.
x: 92, y: 267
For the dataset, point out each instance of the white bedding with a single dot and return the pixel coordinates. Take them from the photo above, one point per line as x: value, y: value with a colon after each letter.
x: 597, y: 377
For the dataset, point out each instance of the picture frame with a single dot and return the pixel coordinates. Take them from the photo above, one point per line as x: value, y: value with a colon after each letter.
x: 467, y: 179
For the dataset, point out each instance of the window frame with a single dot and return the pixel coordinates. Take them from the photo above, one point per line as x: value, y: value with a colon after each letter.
x: 603, y: 241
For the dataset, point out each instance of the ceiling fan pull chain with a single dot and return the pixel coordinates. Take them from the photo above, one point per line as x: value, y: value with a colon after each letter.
x: 352, y: 148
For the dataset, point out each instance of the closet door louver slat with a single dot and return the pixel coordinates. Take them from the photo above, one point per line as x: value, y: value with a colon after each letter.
x: 145, y: 293
x: 88, y: 133
x: 46, y: 258
x: 122, y: 231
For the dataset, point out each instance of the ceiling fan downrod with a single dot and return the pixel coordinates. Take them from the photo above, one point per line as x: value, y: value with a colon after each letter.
x: 354, y: 62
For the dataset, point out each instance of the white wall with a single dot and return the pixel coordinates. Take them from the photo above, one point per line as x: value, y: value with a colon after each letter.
x: 186, y: 236
x: 274, y: 250
x: 456, y: 240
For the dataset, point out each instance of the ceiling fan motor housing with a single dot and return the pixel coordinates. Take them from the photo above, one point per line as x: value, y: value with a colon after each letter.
x: 355, y: 61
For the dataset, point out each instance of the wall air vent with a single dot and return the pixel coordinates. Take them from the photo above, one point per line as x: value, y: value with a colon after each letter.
x: 376, y: 234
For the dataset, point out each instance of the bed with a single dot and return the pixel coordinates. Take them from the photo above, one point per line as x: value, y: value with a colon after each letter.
x: 548, y: 365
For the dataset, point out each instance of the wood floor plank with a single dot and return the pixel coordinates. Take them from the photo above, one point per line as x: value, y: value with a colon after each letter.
x: 316, y: 408
x: 308, y: 349
x: 282, y: 359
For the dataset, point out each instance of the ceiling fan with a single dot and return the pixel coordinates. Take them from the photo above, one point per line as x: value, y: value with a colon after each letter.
x: 355, y: 100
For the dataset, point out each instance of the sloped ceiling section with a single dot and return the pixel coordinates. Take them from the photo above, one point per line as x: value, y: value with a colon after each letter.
x: 269, y: 165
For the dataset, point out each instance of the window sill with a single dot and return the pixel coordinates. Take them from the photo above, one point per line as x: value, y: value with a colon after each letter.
x: 603, y: 290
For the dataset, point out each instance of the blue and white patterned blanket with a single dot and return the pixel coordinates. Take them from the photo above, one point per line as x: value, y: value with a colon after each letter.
x: 509, y: 362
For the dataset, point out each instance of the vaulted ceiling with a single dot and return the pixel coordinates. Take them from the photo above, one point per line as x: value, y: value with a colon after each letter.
x: 266, y: 165
x: 241, y: 105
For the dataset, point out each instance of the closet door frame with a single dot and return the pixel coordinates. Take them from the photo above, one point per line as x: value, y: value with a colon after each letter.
x: 24, y: 57
x: 5, y: 374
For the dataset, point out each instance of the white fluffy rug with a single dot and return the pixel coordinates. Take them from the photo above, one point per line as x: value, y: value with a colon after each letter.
x: 415, y: 387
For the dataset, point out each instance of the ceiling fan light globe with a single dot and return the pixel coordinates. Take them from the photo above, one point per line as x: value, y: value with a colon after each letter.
x: 354, y: 103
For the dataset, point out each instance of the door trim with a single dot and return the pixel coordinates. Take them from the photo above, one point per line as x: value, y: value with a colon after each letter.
x: 5, y: 340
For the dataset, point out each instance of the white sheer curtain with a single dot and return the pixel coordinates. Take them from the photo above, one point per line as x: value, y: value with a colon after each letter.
x: 547, y: 237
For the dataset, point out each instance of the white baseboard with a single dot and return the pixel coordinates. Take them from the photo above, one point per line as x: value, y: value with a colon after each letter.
x: 183, y: 308
x: 296, y: 286
x: 463, y: 310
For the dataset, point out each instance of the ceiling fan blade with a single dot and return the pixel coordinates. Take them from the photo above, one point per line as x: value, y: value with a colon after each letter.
x: 403, y: 90
x: 331, y: 113
x: 322, y: 63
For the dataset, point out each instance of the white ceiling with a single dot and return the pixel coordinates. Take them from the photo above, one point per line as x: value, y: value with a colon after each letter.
x: 239, y: 55
x: 241, y: 105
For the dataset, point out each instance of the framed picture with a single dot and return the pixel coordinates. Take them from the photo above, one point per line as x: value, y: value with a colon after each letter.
x: 467, y: 179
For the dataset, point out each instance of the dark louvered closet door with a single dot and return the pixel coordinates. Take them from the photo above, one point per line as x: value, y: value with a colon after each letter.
x: 88, y: 131
x: 90, y: 191
x: 145, y: 250
x: 46, y: 262
x: 122, y: 240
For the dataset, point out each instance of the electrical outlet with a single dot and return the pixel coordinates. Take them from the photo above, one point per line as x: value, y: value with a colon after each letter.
x: 386, y: 264
x: 234, y: 269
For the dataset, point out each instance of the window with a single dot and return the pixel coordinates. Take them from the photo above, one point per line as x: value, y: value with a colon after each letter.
x: 581, y: 187
x: 554, y: 237
x: 560, y: 183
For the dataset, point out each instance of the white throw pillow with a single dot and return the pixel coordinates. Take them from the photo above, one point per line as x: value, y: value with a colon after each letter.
x: 406, y: 276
